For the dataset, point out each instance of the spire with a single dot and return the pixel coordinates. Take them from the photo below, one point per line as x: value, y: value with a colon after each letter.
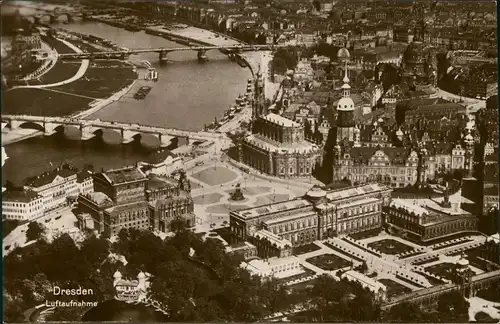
x: 346, y: 88
x: 346, y: 77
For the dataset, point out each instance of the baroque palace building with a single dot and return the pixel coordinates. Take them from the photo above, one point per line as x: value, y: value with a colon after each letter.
x: 319, y: 214
x: 430, y: 221
x: 276, y: 145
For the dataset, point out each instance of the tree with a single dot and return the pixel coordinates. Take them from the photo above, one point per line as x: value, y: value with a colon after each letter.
x: 35, y: 231
x: 8, y: 226
x: 453, y: 306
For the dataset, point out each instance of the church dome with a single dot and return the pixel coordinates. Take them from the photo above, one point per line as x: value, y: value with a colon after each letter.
x: 463, y: 262
x: 343, y: 53
x: 316, y: 193
x: 141, y: 275
x: 345, y: 104
x: 117, y: 275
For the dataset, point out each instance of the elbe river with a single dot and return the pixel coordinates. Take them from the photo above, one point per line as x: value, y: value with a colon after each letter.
x: 187, y: 95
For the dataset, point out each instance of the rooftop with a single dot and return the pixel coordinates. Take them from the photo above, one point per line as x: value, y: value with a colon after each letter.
x: 279, y: 120
x: 271, y: 208
x: 409, y: 207
x: 24, y: 196
x: 156, y: 182
x: 124, y: 175
x: 48, y: 177
x: 272, y: 238
x: 299, y: 215
x: 158, y: 157
x: 272, y: 146
x: 350, y: 192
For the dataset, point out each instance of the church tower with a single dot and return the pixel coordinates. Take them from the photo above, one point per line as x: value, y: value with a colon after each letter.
x: 345, y: 106
x: 259, y: 103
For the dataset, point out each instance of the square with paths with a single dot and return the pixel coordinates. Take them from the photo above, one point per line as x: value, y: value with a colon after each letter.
x: 389, y: 246
x: 215, y: 176
x: 328, y: 262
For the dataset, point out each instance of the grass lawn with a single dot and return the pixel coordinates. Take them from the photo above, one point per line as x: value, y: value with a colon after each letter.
x: 394, y: 289
x: 224, y: 208
x: 328, y: 262
x: 389, y: 246
x: 207, y: 199
x: 306, y: 249
x: 215, y: 176
x: 100, y: 81
x: 268, y: 199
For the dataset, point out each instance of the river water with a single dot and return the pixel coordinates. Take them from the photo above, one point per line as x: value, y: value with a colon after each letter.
x: 187, y: 95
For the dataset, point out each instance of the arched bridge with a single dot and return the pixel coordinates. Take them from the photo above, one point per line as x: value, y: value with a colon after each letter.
x: 164, y: 51
x: 90, y: 128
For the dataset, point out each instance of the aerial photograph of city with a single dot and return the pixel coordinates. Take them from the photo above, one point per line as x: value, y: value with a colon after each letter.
x: 250, y: 161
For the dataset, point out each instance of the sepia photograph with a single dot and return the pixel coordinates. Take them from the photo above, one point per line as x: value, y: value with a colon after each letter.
x: 250, y: 161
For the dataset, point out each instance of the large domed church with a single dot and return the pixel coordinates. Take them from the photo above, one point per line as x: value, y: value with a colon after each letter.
x: 419, y: 65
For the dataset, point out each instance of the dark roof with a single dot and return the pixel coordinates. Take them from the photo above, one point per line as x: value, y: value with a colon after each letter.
x: 123, y: 175
x: 156, y: 182
x: 47, y: 177
x: 84, y: 175
x: 158, y: 156
x: 361, y: 155
x: 24, y: 196
x: 124, y: 207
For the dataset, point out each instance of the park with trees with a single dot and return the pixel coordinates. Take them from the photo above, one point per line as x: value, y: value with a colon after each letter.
x: 194, y: 279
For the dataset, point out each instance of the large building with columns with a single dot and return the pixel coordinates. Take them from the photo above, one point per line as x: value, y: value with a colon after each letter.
x: 317, y: 215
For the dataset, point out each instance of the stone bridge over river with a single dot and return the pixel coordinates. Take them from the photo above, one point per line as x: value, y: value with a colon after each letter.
x: 91, y: 128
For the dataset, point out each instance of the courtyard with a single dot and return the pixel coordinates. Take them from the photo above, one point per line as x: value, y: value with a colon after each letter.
x: 215, y: 176
x: 444, y: 270
x: 328, y: 262
x: 390, y: 246
x: 306, y: 249
x: 394, y: 289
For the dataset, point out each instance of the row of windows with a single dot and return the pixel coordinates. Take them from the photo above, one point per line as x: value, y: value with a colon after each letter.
x: 360, y: 210
x: 294, y: 225
x: 12, y: 204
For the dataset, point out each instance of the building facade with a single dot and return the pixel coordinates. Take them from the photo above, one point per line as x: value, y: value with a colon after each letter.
x: 126, y: 198
x: 56, y: 186
x: 430, y: 222
x: 24, y: 205
x: 318, y: 215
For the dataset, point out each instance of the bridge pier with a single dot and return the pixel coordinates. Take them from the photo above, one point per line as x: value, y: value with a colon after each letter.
x: 165, y: 140
x: 14, y: 124
x: 202, y: 56
x: 127, y: 136
x: 70, y: 18
x: 52, y: 19
x: 38, y: 20
x: 49, y: 128
x: 163, y: 57
x: 86, y: 132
